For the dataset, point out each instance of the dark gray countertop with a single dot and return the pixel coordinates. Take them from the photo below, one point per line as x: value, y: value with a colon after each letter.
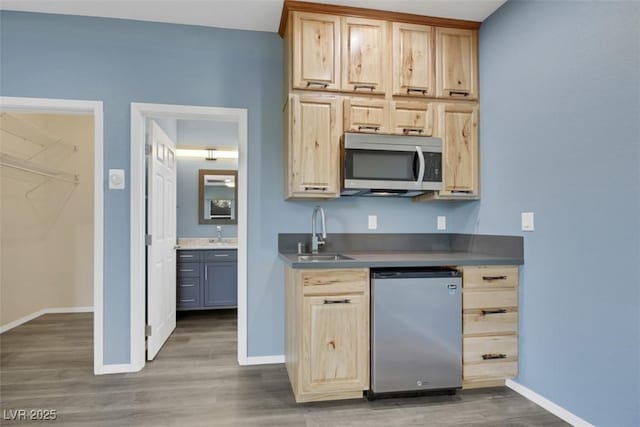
x: 408, y: 250
x: 403, y: 259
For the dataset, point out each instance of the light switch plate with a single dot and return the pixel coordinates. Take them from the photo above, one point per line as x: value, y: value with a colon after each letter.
x: 116, y: 179
x: 373, y: 222
x: 527, y: 221
x: 442, y: 222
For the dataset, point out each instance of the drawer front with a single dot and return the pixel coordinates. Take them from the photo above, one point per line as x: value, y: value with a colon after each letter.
x: 189, y: 269
x: 490, y: 277
x: 188, y: 294
x: 338, y: 281
x: 483, y: 322
x: 220, y: 255
x: 188, y: 256
x: 503, y: 298
x: 489, y: 349
x: 489, y: 370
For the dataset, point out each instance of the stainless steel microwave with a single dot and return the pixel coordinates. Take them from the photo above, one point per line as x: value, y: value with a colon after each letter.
x: 390, y: 165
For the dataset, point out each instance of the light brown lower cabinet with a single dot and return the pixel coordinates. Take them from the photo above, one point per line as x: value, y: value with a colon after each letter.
x: 327, y: 333
x: 489, y: 325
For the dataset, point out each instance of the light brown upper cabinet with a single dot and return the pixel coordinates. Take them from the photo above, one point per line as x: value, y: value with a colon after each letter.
x: 366, y: 115
x: 316, y: 51
x: 457, y: 63
x: 413, y: 60
x: 412, y: 118
x: 313, y: 146
x: 364, y: 55
x: 458, y: 128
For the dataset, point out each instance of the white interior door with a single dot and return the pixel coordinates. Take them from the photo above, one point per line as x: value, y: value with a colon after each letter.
x: 161, y: 225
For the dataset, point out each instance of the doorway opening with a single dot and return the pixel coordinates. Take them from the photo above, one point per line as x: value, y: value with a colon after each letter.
x: 51, y: 234
x: 173, y: 149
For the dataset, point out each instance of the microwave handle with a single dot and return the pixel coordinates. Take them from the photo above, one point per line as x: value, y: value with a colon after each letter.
x: 421, y: 169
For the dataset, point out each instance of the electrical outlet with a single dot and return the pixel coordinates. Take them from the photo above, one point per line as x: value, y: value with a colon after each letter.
x: 373, y: 222
x: 442, y: 222
x: 527, y: 221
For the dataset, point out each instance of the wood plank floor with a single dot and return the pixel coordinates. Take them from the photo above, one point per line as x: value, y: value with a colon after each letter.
x: 47, y: 363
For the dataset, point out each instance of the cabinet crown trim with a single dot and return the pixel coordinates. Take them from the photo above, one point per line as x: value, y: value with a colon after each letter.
x: 360, y: 12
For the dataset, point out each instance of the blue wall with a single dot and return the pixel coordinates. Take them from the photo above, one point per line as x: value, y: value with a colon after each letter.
x: 560, y: 136
x: 120, y: 62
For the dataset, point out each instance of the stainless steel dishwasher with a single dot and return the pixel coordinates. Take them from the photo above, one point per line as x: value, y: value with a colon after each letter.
x: 416, y: 330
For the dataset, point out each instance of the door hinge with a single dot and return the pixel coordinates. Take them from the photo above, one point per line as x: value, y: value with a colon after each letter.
x: 147, y: 239
x: 148, y: 148
x: 147, y: 330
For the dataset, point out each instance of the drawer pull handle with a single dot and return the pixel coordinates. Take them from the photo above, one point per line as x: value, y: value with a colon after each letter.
x: 407, y: 131
x: 221, y: 255
x: 490, y: 278
x: 339, y: 301
x: 187, y: 286
x: 373, y: 128
x: 497, y: 311
x: 323, y: 85
x: 494, y: 356
x: 187, y: 300
x: 315, y: 188
x: 186, y: 256
x: 416, y: 90
x: 186, y: 270
x: 368, y: 87
x: 458, y: 93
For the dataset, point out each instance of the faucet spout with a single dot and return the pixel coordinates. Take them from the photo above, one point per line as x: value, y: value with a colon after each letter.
x: 316, y: 241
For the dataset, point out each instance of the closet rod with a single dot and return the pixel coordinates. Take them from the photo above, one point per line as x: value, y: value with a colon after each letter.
x: 10, y: 162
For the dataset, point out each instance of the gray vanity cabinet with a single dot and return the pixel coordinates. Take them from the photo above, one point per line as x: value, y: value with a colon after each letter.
x: 207, y: 279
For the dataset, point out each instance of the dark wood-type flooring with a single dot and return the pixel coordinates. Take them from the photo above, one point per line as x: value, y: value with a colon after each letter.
x: 47, y: 363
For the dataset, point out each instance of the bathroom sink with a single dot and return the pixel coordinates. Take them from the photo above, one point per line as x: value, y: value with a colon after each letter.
x: 322, y: 257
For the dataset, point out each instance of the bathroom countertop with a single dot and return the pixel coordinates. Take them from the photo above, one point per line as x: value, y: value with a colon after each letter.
x: 203, y: 243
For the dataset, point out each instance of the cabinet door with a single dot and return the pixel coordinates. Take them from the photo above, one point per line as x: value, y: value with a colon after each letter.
x: 412, y: 118
x: 220, y: 284
x: 364, y: 55
x: 313, y: 147
x: 316, y: 51
x: 413, y: 60
x: 458, y: 128
x: 335, y: 349
x: 457, y: 63
x: 366, y: 115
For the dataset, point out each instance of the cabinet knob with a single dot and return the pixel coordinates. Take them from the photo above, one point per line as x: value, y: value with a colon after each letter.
x: 490, y: 356
x: 323, y: 85
x: 496, y: 311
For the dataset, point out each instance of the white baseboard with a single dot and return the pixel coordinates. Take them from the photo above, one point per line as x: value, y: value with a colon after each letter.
x: 122, y: 368
x: 262, y: 360
x: 545, y: 403
x: 25, y: 319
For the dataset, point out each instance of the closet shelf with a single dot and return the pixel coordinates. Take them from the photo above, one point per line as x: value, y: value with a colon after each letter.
x: 12, y: 162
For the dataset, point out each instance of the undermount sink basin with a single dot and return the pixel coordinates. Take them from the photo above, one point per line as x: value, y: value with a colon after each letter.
x: 322, y: 257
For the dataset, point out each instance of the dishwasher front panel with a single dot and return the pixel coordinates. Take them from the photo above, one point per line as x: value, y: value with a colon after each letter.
x: 416, y: 336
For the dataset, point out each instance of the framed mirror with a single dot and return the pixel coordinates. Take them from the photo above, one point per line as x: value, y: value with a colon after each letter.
x: 217, y: 196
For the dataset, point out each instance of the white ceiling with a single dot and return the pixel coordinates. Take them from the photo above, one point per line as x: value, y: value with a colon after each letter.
x: 259, y: 15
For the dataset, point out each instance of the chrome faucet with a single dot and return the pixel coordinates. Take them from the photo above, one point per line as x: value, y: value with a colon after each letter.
x: 219, y: 229
x: 315, y: 240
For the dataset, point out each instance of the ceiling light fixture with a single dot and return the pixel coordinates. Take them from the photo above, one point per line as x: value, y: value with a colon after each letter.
x: 208, y: 153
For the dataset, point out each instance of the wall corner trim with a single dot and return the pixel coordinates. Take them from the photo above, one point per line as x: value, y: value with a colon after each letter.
x: 545, y: 403
x: 262, y: 360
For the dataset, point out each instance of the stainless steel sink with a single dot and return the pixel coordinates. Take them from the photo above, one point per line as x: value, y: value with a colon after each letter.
x: 322, y: 257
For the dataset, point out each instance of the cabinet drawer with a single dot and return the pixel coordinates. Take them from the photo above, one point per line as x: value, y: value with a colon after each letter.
x: 221, y: 255
x: 366, y: 115
x: 339, y: 281
x: 188, y: 295
x: 490, y: 277
x: 188, y: 256
x: 489, y: 349
x: 489, y: 370
x: 412, y: 118
x: 503, y: 298
x: 189, y: 269
x: 485, y: 322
